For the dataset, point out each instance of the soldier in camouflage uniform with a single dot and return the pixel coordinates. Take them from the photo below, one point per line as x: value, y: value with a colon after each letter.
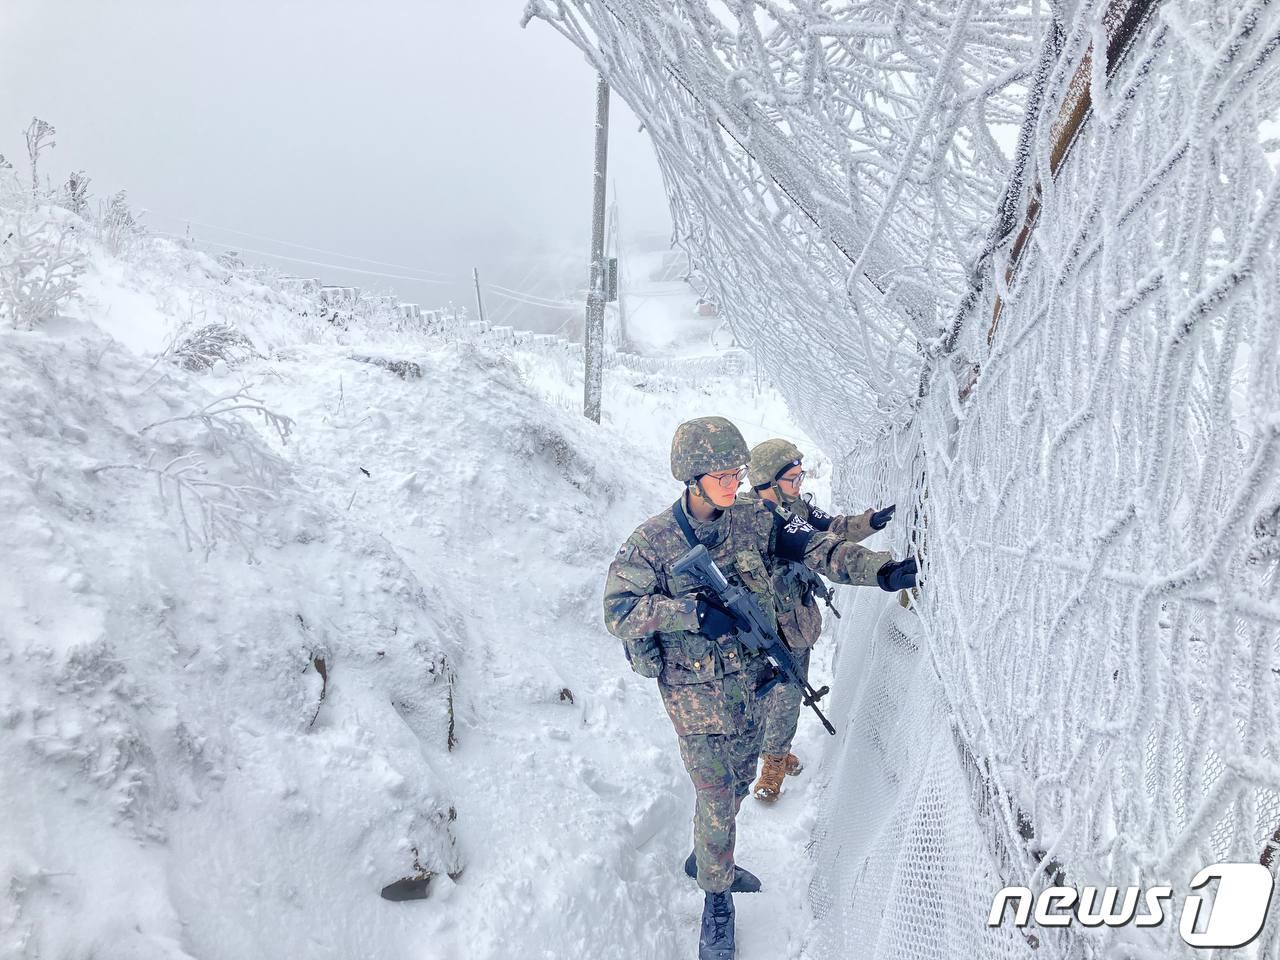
x: 775, y: 473
x: 707, y: 679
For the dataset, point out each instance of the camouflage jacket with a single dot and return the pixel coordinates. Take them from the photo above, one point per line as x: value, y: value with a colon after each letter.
x: 799, y: 616
x: 854, y: 528
x: 654, y: 612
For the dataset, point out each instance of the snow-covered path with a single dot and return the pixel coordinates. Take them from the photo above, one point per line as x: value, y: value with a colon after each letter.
x: 573, y: 807
x: 269, y: 739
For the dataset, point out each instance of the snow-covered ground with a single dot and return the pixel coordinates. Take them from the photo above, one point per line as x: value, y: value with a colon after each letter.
x: 661, y: 308
x: 228, y: 757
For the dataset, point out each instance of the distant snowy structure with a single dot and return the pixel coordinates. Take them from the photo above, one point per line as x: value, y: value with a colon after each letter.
x: 1016, y: 268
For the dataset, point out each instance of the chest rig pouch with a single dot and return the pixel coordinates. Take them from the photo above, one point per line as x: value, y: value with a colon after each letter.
x: 755, y: 576
x: 790, y: 587
x: 691, y: 657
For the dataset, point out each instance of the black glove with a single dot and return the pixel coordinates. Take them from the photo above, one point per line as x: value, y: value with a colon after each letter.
x: 714, y: 621
x: 897, y: 575
x: 880, y: 519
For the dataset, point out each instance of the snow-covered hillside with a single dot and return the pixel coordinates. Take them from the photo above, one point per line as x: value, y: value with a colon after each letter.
x: 380, y: 655
x: 202, y: 746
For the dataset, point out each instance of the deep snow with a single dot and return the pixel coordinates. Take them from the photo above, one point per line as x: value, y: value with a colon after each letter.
x: 175, y: 784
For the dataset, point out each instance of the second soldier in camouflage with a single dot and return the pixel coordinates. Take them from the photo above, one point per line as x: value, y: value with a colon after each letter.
x: 775, y: 473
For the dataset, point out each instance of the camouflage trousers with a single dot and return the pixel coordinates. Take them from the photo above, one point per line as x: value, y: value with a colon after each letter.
x: 781, y: 710
x: 722, y: 766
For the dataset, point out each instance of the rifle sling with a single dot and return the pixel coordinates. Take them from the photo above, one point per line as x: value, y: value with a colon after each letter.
x: 677, y: 511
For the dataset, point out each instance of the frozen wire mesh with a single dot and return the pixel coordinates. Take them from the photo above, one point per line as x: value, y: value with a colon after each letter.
x: 1015, y: 267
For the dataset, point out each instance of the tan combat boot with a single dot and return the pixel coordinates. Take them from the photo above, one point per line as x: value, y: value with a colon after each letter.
x: 770, y: 783
x: 791, y: 763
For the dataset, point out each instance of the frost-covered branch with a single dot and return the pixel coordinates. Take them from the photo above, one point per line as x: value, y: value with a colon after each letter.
x: 226, y: 433
x: 41, y: 264
x: 209, y: 511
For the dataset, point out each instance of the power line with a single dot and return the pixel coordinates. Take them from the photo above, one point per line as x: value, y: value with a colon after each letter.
x: 550, y: 301
x: 299, y: 246
x: 523, y: 293
x: 519, y: 296
x: 550, y: 304
x: 511, y: 305
x: 311, y: 263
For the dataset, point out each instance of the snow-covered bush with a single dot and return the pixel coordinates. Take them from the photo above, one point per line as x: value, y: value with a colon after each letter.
x: 118, y: 228
x: 39, y: 136
x: 75, y: 194
x: 41, y: 263
x: 215, y: 501
x: 212, y: 342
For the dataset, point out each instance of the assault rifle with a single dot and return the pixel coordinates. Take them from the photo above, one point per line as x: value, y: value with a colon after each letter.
x: 813, y: 582
x: 754, y: 631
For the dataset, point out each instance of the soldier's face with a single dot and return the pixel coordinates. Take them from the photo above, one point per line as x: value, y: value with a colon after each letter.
x: 791, y: 480
x: 721, y: 488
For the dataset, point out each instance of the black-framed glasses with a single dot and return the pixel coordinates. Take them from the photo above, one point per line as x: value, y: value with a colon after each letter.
x: 793, y: 481
x: 727, y: 481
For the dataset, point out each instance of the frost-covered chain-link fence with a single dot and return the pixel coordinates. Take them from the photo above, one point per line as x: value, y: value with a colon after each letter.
x: 1016, y: 268
x: 825, y: 174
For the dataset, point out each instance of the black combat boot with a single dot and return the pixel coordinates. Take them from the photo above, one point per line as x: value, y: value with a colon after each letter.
x: 744, y: 881
x: 716, y: 942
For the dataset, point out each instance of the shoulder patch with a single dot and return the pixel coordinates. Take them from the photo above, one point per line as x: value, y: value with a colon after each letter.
x: 797, y: 525
x: 820, y: 519
x: 793, y: 538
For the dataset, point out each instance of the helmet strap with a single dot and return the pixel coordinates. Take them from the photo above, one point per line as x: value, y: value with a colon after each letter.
x: 695, y: 490
x: 782, y: 497
x: 760, y: 490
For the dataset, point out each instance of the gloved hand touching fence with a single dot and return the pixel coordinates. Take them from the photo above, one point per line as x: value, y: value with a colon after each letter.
x: 880, y: 519
x: 897, y: 575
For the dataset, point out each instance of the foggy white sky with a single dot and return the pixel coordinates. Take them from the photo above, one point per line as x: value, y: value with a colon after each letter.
x: 433, y: 133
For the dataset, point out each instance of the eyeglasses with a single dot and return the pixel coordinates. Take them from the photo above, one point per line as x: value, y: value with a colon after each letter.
x: 793, y: 481
x: 728, y: 481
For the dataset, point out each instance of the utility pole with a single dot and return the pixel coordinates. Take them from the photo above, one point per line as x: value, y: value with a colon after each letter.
x: 593, y: 346
x: 614, y: 246
x: 475, y: 275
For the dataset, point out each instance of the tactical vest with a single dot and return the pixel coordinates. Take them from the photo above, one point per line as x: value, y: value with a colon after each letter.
x: 798, y: 614
x: 733, y: 540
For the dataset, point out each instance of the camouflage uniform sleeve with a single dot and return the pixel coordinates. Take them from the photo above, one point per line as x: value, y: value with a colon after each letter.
x: 844, y: 561
x: 855, y: 529
x: 633, y: 605
x: 832, y: 556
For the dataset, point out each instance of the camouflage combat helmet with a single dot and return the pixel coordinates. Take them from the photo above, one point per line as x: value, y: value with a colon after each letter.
x: 770, y: 460
x: 706, y: 445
